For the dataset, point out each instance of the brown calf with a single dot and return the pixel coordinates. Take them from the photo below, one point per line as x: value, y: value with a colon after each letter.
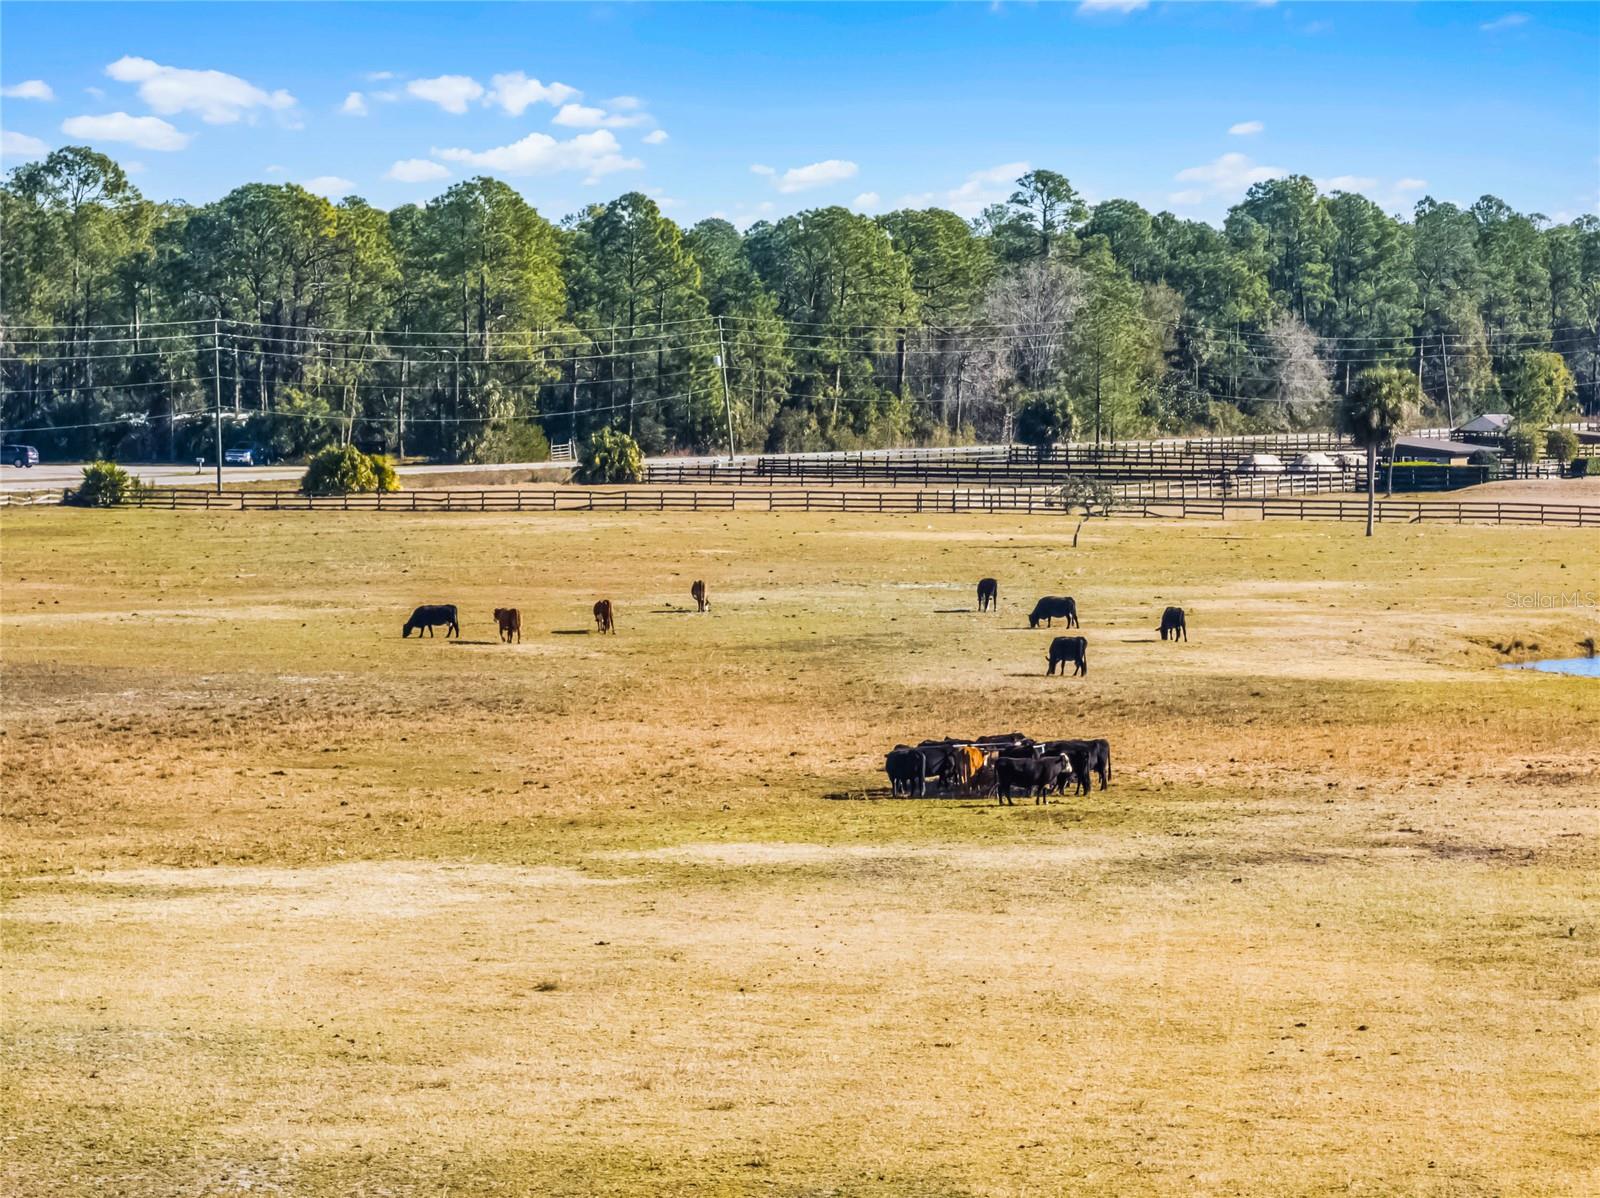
x: 603, y: 620
x: 698, y: 593
x: 509, y: 620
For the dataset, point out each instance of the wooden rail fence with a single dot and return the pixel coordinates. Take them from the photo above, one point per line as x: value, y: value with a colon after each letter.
x: 1029, y: 501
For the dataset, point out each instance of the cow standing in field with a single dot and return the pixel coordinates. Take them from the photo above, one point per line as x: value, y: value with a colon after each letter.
x: 988, y: 595
x: 431, y: 615
x: 1172, y: 621
x: 904, y: 767
x: 1037, y: 775
x: 1085, y: 756
x: 1054, y: 607
x: 604, y: 620
x: 509, y: 622
x: 698, y: 593
x: 1064, y: 649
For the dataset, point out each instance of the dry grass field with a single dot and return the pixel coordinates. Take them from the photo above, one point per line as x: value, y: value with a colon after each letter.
x: 295, y: 906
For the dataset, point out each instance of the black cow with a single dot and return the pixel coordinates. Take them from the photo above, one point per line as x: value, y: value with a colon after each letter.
x: 1085, y: 756
x: 904, y: 767
x: 429, y: 616
x: 1037, y: 776
x: 1172, y: 621
x: 1069, y: 648
x: 988, y: 594
x: 1054, y: 607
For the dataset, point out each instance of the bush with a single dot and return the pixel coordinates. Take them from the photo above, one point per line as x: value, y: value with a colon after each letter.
x: 345, y: 470
x: 1044, y: 420
x: 1526, y: 444
x: 105, y: 484
x: 511, y: 441
x: 1486, y: 457
x: 1561, y: 444
x: 611, y: 456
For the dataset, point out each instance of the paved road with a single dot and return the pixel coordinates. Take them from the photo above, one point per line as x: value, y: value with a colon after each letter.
x: 54, y: 475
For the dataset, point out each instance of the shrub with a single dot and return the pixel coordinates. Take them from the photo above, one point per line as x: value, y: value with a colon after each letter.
x: 345, y: 470
x: 1526, y: 444
x: 511, y: 441
x: 1044, y: 420
x: 1561, y: 444
x: 1486, y: 457
x: 105, y: 484
x: 611, y: 456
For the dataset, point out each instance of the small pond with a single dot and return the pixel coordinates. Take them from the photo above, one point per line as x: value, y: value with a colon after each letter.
x: 1582, y: 667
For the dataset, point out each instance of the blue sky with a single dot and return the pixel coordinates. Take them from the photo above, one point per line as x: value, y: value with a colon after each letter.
x: 755, y: 111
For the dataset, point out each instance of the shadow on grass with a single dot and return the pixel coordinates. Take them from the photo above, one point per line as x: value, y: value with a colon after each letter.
x: 570, y: 631
x: 954, y: 611
x: 460, y: 641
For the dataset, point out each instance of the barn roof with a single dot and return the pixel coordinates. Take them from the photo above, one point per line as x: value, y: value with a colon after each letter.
x: 1489, y: 422
x: 1438, y: 445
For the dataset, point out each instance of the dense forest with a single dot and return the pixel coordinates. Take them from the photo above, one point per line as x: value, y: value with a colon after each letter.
x: 473, y: 327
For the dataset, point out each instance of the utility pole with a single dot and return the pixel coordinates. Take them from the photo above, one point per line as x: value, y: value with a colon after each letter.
x: 216, y: 387
x: 727, y: 401
x: 1449, y: 408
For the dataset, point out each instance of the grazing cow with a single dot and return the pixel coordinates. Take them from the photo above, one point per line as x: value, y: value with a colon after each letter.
x: 429, y: 616
x: 904, y: 767
x: 509, y: 621
x: 938, y: 761
x: 1084, y: 756
x: 1037, y: 776
x: 698, y: 593
x: 988, y: 594
x: 1069, y: 648
x: 603, y: 620
x: 1054, y: 607
x: 1172, y: 621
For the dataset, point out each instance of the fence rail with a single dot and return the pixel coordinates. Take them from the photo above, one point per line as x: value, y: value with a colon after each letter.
x: 1033, y: 501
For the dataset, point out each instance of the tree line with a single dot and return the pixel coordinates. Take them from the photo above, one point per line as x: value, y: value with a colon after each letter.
x: 474, y: 328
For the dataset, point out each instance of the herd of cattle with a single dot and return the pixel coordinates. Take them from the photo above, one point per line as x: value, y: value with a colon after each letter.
x: 508, y: 620
x: 990, y: 765
x: 998, y: 765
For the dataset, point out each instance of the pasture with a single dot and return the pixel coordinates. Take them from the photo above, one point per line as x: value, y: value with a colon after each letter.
x: 293, y: 905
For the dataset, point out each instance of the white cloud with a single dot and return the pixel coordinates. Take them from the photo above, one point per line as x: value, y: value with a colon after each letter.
x: 759, y: 168
x: 624, y: 103
x: 581, y: 116
x: 218, y: 98
x: 275, y: 169
x: 1246, y: 128
x: 450, y: 92
x: 817, y: 174
x: 416, y: 170
x: 1411, y: 185
x: 1090, y: 7
x: 134, y: 167
x: 355, y: 104
x: 20, y: 145
x: 655, y: 137
x: 146, y: 132
x: 1346, y: 183
x: 1227, y: 177
x: 28, y: 89
x: 332, y: 186
x: 98, y: 93
x: 866, y: 201
x: 515, y: 92
x: 595, y: 154
x: 378, y: 76
x: 977, y: 192
x: 1510, y: 21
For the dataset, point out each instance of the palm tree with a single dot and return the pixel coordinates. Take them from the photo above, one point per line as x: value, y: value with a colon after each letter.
x: 1378, y: 406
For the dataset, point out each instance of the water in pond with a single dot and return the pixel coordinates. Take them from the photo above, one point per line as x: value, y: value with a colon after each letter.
x: 1583, y: 667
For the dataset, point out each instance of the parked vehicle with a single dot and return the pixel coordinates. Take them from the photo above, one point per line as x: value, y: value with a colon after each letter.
x: 247, y: 455
x: 19, y: 456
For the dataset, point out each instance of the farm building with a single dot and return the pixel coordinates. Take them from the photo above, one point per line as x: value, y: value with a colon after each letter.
x: 1428, y: 449
x: 1488, y: 429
